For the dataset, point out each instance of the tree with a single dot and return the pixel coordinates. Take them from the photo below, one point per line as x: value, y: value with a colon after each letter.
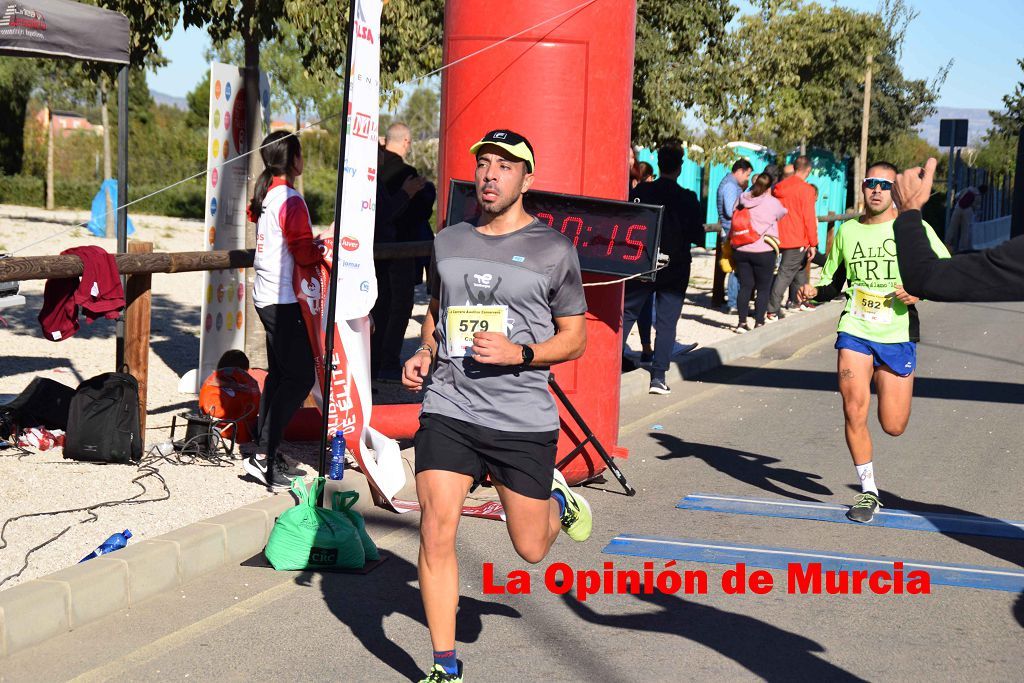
x: 680, y: 59
x: 998, y: 152
x: 198, y: 99
x: 798, y: 74
x: 1010, y: 120
x: 17, y: 78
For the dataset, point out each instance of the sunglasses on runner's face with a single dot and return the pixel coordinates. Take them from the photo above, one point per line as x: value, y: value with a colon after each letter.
x: 882, y: 183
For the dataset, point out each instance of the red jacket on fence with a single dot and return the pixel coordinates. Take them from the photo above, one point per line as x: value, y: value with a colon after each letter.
x: 98, y: 294
x: 799, y: 227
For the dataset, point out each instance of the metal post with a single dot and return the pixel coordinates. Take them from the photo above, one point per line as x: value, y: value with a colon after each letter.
x: 122, y: 194
x: 332, y: 296
x: 949, y: 189
x: 1017, y: 222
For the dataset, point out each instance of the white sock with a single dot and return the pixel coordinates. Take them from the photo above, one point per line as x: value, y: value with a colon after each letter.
x: 866, y: 472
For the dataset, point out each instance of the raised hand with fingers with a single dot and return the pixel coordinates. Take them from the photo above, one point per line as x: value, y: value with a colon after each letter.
x: 914, y: 186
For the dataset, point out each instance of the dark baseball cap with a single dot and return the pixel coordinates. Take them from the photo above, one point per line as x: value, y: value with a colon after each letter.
x: 510, y: 141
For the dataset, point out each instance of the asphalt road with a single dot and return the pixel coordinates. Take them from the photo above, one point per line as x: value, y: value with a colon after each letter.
x: 769, y: 427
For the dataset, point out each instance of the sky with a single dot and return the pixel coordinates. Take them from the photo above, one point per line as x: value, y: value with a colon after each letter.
x: 983, y: 37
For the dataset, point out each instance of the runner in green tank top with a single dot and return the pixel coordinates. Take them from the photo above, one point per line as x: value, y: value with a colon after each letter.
x: 878, y: 328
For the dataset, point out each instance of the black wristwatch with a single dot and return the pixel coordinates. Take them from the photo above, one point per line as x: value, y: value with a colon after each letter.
x: 527, y: 355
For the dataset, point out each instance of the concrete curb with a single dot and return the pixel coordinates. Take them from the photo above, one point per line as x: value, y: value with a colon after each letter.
x: 43, y: 608
x: 38, y: 610
x: 705, y: 359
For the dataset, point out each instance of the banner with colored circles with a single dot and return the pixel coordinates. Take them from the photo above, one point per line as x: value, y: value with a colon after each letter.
x: 222, y: 325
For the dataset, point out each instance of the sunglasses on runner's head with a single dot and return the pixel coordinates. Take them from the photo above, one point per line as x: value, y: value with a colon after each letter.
x: 872, y: 183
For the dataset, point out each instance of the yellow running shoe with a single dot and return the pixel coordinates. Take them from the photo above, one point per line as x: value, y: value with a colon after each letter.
x: 439, y: 675
x: 577, y: 520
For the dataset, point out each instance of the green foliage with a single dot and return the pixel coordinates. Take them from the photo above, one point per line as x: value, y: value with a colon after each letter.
x: 905, y: 150
x: 17, y: 77
x: 680, y: 55
x: 1010, y: 120
x: 28, y: 191
x: 797, y: 74
x: 199, y: 104
x: 998, y: 152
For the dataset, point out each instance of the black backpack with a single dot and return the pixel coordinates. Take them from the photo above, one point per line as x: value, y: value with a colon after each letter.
x: 103, y: 421
x: 44, y: 403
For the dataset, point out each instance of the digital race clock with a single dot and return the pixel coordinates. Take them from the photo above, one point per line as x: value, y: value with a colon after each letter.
x: 615, y: 238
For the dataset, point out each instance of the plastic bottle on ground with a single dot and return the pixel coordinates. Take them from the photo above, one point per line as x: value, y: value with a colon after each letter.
x: 115, y: 542
x: 337, y: 470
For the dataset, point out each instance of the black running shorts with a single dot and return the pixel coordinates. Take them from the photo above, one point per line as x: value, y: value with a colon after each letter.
x: 522, y: 461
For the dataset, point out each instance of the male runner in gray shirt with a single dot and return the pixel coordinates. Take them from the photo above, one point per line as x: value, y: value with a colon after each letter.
x: 506, y: 303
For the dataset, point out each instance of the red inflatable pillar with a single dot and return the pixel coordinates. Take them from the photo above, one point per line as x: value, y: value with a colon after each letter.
x: 567, y: 85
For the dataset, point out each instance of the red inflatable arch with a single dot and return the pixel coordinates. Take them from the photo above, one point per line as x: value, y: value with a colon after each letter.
x: 566, y: 85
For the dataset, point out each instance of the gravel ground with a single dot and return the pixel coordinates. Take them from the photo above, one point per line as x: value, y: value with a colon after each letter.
x: 45, y: 483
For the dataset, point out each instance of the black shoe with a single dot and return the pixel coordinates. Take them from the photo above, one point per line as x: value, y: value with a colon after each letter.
x: 864, y: 508
x: 680, y: 349
x: 275, y: 477
x: 646, y: 357
x: 294, y: 470
x: 658, y: 386
x: 628, y: 364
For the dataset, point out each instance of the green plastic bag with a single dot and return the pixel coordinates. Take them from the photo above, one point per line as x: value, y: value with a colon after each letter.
x: 342, y: 501
x: 311, y: 537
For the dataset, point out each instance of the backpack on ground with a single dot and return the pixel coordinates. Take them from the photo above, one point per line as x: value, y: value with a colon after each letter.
x: 103, y: 420
x: 43, y: 403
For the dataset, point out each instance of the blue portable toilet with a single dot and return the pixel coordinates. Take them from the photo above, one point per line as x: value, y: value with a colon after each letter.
x: 690, y: 176
x: 759, y: 157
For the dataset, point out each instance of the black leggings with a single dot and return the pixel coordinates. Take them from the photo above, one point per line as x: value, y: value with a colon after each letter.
x: 291, y: 374
x: 754, y: 269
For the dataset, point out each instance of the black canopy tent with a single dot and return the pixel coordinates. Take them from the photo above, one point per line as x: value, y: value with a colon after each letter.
x: 63, y: 29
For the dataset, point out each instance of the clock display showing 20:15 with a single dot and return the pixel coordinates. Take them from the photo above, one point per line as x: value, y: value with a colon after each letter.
x: 601, y: 240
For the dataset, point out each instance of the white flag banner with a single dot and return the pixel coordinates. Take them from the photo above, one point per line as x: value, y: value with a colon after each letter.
x: 379, y: 457
x: 357, y: 280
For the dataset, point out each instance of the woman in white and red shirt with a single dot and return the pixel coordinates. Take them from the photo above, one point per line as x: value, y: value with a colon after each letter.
x: 284, y: 237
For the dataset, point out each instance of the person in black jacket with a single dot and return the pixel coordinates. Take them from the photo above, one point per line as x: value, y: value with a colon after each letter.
x: 996, y: 274
x: 405, y: 202
x: 681, y: 226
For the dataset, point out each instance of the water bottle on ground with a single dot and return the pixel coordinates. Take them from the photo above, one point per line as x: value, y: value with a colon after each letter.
x: 115, y: 542
x: 337, y: 470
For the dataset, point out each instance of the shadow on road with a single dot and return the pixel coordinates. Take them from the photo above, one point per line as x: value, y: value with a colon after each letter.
x: 767, y: 651
x: 924, y: 387
x: 1009, y: 549
x: 362, y: 602
x: 749, y: 468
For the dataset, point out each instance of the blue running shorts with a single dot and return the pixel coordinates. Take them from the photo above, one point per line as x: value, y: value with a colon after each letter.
x: 901, y: 357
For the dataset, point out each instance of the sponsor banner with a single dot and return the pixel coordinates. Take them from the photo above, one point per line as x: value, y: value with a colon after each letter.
x: 349, y: 406
x: 223, y: 304
x: 357, y: 280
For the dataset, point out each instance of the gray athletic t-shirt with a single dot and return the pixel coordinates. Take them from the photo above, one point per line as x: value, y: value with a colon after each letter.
x: 533, y: 271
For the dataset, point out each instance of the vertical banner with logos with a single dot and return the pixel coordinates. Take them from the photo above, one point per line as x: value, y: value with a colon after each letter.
x: 222, y: 325
x: 349, y: 402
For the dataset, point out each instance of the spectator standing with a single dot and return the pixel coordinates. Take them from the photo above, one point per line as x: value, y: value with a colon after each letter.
x: 284, y: 237
x: 402, y: 212
x: 681, y: 227
x: 798, y: 232
x: 729, y: 191
x: 958, y: 233
x: 755, y: 262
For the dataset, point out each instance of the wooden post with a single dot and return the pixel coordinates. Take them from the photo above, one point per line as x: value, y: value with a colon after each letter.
x: 136, y: 329
x: 830, y: 231
x: 862, y: 160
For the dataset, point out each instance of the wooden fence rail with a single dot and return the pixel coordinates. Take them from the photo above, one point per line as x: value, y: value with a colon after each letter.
x: 140, y: 263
